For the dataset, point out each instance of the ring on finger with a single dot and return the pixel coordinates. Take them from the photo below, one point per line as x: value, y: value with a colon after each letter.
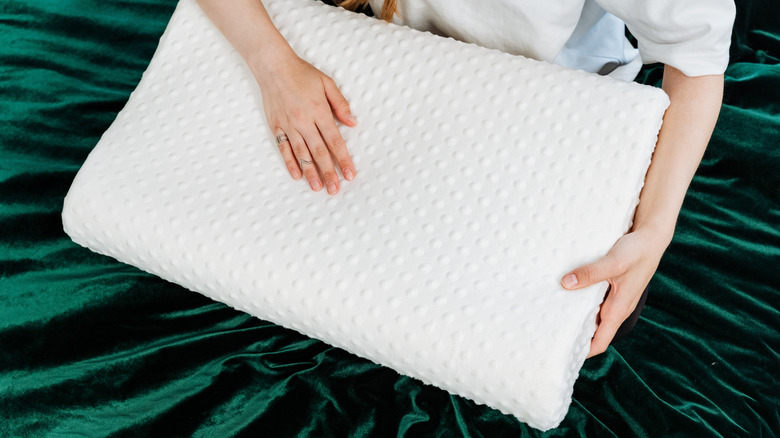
x: 301, y: 162
x: 281, y: 138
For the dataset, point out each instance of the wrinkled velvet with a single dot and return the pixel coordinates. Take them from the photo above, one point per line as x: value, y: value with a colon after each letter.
x: 90, y: 346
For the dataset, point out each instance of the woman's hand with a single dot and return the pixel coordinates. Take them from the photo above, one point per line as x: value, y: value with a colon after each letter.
x: 300, y: 102
x: 297, y: 97
x: 628, y: 267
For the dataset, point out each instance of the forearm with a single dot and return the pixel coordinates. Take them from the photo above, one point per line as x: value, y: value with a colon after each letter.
x: 249, y: 29
x: 685, y: 133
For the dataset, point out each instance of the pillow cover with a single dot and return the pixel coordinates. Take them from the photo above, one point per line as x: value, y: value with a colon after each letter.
x: 482, y: 179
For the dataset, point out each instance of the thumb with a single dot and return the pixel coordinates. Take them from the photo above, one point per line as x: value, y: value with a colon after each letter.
x: 601, y: 270
x: 339, y: 103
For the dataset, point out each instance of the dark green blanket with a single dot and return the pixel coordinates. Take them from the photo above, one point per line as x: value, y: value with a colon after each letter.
x: 92, y: 347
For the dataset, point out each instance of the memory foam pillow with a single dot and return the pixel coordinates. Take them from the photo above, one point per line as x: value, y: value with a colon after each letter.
x: 482, y: 179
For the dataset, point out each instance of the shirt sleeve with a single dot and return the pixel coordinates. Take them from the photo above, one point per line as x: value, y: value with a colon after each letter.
x: 691, y: 35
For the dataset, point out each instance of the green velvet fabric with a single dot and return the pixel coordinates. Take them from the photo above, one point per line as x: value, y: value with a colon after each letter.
x: 92, y: 347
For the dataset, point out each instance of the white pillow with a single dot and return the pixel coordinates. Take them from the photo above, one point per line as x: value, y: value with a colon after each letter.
x: 482, y: 179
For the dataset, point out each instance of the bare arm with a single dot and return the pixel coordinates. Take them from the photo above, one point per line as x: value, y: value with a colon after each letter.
x: 685, y: 133
x: 632, y: 261
x: 298, y: 99
x: 246, y: 24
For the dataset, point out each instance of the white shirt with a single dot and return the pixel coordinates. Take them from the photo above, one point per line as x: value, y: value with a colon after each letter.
x: 691, y: 35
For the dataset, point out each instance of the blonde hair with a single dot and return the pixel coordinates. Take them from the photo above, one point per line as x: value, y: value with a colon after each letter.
x: 389, y: 7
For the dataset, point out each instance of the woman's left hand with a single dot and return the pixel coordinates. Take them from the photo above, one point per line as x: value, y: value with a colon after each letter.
x: 628, y: 267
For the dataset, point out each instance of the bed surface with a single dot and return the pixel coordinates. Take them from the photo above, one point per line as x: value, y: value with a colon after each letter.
x: 92, y: 346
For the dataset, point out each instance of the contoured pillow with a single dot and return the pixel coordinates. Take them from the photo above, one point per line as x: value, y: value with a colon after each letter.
x: 482, y: 178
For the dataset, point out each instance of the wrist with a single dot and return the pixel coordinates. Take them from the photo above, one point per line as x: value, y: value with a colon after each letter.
x: 660, y: 233
x: 270, y: 59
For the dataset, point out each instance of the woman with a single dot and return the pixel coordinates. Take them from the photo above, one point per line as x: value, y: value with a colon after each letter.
x: 691, y: 38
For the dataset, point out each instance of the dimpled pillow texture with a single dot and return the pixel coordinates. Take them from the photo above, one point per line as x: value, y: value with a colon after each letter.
x: 482, y: 178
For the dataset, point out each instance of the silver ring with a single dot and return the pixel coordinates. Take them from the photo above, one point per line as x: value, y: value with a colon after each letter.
x: 281, y: 138
x: 301, y: 162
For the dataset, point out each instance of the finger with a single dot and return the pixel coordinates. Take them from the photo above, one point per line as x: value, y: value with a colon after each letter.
x: 605, y: 332
x: 321, y: 156
x: 336, y: 144
x: 603, y: 269
x: 285, y: 148
x: 600, y: 345
x: 307, y: 165
x: 338, y: 102
x: 616, y: 308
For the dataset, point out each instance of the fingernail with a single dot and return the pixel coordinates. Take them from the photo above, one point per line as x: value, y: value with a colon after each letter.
x: 351, y: 118
x: 570, y: 280
x: 331, y: 187
x: 315, y: 183
x: 349, y: 174
x: 296, y: 174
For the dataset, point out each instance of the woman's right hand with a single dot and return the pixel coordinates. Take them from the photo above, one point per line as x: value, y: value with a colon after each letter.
x: 300, y: 102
